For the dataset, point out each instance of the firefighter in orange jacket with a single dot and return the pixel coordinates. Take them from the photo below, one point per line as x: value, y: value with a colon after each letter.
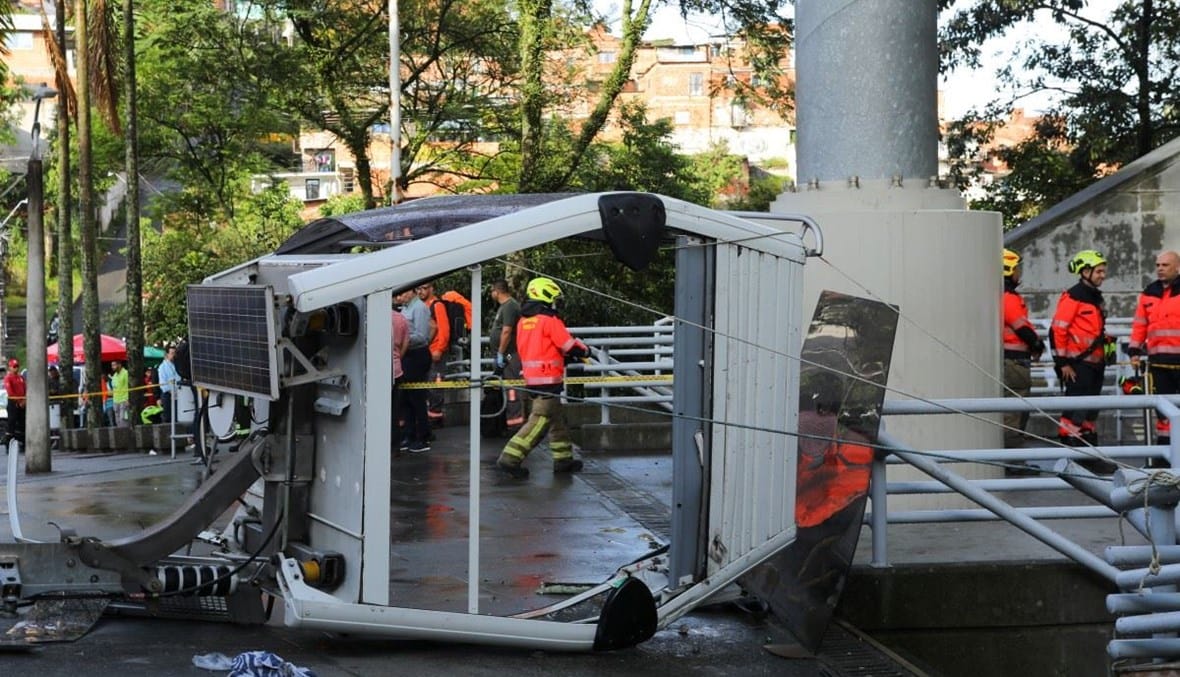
x: 1078, y: 337
x: 545, y: 345
x: 1155, y: 332
x: 1021, y: 347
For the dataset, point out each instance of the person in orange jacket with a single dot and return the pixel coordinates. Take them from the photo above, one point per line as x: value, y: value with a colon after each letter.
x: 545, y: 345
x: 1078, y: 337
x: 440, y: 338
x: 1021, y: 347
x: 1155, y: 334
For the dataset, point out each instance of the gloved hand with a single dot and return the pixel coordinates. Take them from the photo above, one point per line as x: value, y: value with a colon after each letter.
x: 1110, y: 350
x: 578, y: 353
x: 498, y: 364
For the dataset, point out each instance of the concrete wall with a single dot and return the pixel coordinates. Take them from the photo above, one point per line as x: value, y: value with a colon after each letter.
x: 1129, y: 216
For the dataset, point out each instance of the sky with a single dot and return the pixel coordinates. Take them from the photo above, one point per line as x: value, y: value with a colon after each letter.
x: 961, y: 91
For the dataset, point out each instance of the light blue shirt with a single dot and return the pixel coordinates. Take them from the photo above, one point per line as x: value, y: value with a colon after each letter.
x: 419, y: 317
x: 169, y: 377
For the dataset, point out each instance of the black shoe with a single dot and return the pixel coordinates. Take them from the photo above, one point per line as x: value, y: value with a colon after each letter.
x: 568, y: 465
x: 517, y: 471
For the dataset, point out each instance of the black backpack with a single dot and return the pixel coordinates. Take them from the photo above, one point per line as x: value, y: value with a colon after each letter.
x: 456, y: 320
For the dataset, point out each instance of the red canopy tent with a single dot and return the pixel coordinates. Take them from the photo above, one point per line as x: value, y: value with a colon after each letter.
x: 111, y: 349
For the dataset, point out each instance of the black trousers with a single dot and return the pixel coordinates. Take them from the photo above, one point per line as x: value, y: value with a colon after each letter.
x: 415, y: 366
x: 1088, y: 382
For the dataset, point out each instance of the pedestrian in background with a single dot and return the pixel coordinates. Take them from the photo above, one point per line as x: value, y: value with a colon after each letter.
x: 1078, y: 337
x: 1021, y: 347
x: 169, y: 380
x: 415, y: 366
x: 400, y: 344
x: 1155, y: 335
x: 121, y: 394
x: 506, y: 358
x: 439, y: 342
x: 14, y: 385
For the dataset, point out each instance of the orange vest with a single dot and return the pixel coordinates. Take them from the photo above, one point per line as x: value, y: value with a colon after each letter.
x: 1015, y: 317
x: 543, y: 341
x: 1079, y: 326
x: 1156, y: 327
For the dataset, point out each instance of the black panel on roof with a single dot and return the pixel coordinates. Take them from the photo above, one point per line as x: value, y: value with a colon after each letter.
x: 407, y: 221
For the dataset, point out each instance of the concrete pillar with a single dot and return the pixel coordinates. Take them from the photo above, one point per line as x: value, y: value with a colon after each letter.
x: 868, y: 156
x: 866, y: 89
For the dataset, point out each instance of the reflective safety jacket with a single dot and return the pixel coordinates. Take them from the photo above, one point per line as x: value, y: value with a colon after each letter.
x: 1020, y: 337
x: 1156, y: 327
x: 1078, y: 333
x: 543, y: 342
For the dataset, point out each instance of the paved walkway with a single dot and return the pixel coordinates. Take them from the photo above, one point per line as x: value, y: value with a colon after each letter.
x: 112, y: 495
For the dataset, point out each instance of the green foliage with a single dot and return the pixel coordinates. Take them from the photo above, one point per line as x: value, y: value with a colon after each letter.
x: 206, y: 104
x: 190, y: 248
x: 342, y: 204
x: 645, y: 160
x: 1116, y: 83
x: 764, y: 190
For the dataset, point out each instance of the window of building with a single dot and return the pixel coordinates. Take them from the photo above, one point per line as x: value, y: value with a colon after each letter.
x: 312, y: 188
x: 607, y: 57
x: 19, y: 40
x: 696, y: 84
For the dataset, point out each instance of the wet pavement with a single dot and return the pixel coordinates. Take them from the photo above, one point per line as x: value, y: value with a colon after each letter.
x: 551, y: 528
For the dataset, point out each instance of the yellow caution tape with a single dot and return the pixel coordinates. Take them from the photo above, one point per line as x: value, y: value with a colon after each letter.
x: 573, y: 380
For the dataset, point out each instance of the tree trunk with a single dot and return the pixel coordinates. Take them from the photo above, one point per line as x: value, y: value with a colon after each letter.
x: 134, y: 257
x: 534, y: 15
x: 364, y: 170
x: 65, y: 243
x: 90, y: 320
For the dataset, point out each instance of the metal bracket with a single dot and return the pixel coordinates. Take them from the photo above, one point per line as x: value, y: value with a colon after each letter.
x: 94, y: 553
x: 312, y: 373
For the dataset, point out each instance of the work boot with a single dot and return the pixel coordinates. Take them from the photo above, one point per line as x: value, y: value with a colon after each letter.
x: 515, y: 470
x: 568, y: 465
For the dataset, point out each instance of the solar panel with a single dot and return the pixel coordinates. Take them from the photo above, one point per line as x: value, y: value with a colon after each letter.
x: 232, y: 339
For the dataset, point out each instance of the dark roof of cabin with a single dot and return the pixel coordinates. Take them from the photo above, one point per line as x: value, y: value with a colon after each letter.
x: 407, y: 221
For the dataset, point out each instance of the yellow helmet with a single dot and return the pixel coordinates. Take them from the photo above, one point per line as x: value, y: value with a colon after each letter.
x: 542, y: 289
x: 1011, y: 260
x: 1087, y: 258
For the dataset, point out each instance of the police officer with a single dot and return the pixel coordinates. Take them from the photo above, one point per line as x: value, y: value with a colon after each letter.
x: 545, y: 345
x: 1079, y: 341
x: 1021, y: 346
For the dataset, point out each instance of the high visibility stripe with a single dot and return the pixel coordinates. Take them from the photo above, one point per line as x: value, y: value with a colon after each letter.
x: 561, y: 451
x: 526, y: 438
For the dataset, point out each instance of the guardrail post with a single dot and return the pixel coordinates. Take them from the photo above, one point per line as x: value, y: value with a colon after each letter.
x: 878, y: 495
x: 603, y: 409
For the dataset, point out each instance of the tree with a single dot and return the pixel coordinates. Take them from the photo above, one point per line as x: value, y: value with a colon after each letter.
x: 1114, y: 80
x: 187, y: 249
x: 134, y: 296
x: 456, y: 62
x: 547, y: 165
x: 207, y: 107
